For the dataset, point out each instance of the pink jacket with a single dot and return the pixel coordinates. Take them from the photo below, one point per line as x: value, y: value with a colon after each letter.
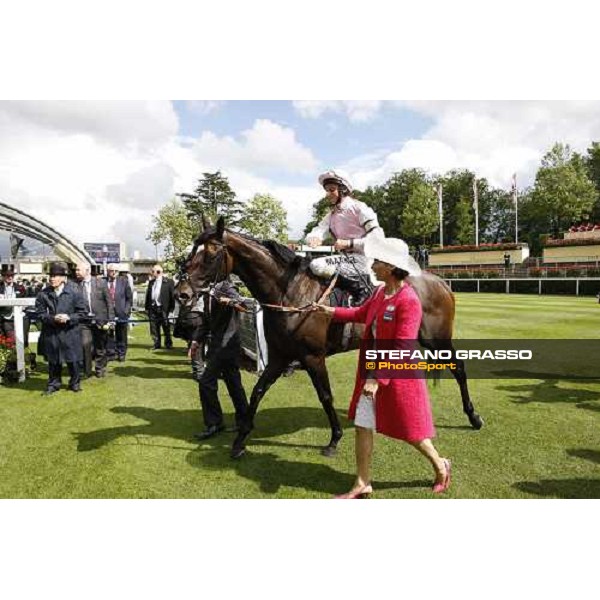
x: 350, y: 219
x: 402, y: 407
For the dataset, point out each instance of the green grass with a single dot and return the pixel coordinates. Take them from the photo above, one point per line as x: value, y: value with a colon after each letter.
x: 129, y: 435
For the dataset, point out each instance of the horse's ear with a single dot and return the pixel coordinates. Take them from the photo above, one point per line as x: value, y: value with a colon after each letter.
x: 205, y: 222
x: 220, y: 228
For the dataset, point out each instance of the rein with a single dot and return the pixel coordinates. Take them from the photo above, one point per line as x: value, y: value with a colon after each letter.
x: 306, y: 307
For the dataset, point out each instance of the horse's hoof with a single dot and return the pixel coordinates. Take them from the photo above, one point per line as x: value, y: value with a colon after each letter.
x: 237, y: 452
x: 329, y: 451
x: 476, y: 422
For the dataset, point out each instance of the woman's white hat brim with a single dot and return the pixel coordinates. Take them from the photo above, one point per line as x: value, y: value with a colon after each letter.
x: 393, y: 252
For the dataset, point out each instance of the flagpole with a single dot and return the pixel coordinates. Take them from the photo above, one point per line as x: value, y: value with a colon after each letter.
x: 441, y: 214
x: 476, y: 207
x: 515, y: 200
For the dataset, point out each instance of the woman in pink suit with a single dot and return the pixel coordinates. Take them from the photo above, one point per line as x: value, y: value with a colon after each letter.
x: 398, y: 408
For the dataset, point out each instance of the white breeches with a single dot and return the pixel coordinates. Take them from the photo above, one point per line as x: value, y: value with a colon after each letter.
x: 352, y: 266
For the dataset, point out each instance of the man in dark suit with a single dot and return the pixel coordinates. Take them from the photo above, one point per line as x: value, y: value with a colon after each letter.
x: 100, y: 314
x: 122, y: 297
x: 9, y: 290
x: 60, y: 308
x: 160, y: 301
x: 221, y: 328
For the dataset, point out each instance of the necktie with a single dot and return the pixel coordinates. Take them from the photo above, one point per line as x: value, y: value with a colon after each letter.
x: 111, y: 290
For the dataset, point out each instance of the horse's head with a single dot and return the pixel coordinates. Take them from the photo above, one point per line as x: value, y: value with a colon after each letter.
x: 208, y: 263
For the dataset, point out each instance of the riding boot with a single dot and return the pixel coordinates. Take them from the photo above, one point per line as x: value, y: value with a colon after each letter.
x: 355, y: 288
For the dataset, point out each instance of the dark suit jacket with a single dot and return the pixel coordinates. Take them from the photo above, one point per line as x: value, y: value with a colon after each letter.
x: 103, y: 308
x: 60, y: 342
x: 123, y: 297
x: 220, y: 321
x: 167, y: 296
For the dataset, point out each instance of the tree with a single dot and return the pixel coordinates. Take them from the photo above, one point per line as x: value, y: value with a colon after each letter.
x: 498, y: 224
x: 214, y: 198
x: 265, y: 218
x: 420, y: 215
x: 173, y: 228
x: 393, y: 196
x: 457, y: 186
x: 463, y: 219
x: 320, y: 209
x: 563, y: 193
x: 592, y: 164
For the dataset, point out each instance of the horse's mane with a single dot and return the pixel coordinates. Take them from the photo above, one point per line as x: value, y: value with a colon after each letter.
x: 281, y: 253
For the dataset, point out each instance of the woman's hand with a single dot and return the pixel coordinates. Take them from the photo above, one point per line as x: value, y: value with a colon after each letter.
x: 322, y: 308
x: 370, y: 387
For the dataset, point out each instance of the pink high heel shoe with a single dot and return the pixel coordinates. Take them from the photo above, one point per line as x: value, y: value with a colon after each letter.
x: 360, y: 494
x: 440, y: 488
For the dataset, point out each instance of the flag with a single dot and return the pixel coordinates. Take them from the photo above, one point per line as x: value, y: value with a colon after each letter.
x: 439, y: 194
x: 15, y: 245
x: 513, y: 188
x: 475, y: 197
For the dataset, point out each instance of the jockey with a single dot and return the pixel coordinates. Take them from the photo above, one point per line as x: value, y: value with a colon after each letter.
x: 350, y: 222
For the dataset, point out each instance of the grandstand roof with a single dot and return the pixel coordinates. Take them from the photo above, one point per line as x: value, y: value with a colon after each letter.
x: 19, y: 222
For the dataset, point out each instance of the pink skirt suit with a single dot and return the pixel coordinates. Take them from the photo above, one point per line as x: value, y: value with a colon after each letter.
x: 402, y: 408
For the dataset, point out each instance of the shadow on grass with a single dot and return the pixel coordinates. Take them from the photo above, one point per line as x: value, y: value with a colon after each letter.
x: 153, y: 360
x: 182, y: 424
x: 521, y: 374
x: 562, y: 488
x: 272, y: 472
x: 586, y: 406
x: 548, y: 391
x: 592, y: 455
x: 36, y: 382
x: 150, y: 372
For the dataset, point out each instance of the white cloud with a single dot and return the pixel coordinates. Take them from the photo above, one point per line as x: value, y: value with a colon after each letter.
x: 355, y: 110
x: 493, y: 139
x: 204, y: 107
x: 267, y: 145
x: 98, y: 171
x: 143, y: 123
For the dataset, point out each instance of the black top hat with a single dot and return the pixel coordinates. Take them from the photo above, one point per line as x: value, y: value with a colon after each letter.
x: 58, y: 269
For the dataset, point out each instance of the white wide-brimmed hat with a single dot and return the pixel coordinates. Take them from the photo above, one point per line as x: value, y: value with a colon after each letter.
x: 393, y: 252
x: 333, y: 176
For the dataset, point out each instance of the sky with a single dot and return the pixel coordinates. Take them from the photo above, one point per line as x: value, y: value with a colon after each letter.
x: 98, y: 170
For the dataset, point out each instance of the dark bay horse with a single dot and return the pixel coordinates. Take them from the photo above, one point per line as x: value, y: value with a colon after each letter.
x: 275, y: 275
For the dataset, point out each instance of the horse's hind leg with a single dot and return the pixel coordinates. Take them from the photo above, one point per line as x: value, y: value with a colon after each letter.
x: 460, y: 374
x: 315, y: 366
x: 268, y: 377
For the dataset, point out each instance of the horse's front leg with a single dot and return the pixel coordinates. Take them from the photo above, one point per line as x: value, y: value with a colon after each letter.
x: 315, y: 366
x: 268, y: 377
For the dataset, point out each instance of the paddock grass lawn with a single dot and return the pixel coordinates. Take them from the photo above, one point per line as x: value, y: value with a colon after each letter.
x: 129, y: 435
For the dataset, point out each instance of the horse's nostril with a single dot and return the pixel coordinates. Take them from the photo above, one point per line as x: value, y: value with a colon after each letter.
x: 183, y: 296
